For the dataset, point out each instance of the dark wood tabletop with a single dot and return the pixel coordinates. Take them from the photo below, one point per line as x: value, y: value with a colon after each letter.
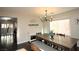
x: 62, y: 40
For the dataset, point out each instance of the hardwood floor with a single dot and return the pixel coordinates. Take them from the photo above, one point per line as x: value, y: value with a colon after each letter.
x: 22, y: 45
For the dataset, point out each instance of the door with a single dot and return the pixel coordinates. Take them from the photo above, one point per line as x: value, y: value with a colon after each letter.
x: 8, y: 40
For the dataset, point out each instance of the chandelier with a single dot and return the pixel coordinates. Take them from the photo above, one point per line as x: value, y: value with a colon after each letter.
x: 46, y: 17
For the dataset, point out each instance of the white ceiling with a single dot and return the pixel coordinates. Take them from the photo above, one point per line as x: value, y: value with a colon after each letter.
x: 38, y: 11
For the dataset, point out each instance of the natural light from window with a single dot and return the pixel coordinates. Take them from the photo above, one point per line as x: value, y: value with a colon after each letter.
x: 60, y: 26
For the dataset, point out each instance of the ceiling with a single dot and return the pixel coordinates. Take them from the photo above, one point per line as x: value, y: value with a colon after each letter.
x: 38, y: 11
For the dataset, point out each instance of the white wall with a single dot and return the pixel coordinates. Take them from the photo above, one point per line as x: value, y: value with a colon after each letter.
x: 46, y: 27
x: 24, y: 31
x: 69, y: 27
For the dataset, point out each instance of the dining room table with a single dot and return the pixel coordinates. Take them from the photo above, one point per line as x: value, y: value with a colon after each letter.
x: 66, y: 43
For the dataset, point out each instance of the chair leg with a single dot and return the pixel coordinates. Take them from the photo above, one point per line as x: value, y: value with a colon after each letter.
x: 45, y: 42
x: 56, y: 47
x: 59, y: 48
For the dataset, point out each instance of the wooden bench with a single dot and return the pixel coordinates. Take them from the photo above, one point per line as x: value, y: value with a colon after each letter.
x: 32, y: 47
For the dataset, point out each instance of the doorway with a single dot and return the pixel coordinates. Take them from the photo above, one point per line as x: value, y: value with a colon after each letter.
x: 8, y: 33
